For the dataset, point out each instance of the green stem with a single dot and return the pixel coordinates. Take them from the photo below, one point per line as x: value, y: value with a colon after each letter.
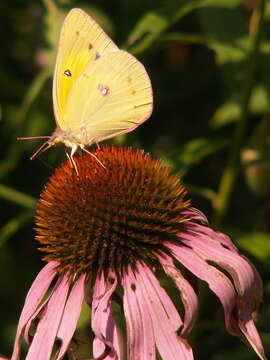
x: 13, y: 225
x: 230, y: 173
x: 8, y: 163
x: 17, y: 197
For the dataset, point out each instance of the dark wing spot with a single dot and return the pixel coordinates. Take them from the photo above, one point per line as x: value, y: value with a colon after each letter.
x: 67, y: 72
x: 90, y: 46
x: 133, y: 92
x: 97, y: 56
x: 129, y: 79
x: 77, y: 33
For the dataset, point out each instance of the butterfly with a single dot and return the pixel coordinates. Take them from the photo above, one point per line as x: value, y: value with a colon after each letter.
x: 99, y: 91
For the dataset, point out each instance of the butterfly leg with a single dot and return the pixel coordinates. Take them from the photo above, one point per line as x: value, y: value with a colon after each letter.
x: 94, y: 156
x: 71, y: 159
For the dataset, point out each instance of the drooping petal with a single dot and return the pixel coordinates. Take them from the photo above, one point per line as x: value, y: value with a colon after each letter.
x: 165, y: 319
x: 71, y: 315
x: 216, y: 248
x: 106, y: 345
x: 187, y: 293
x: 248, y: 328
x: 141, y: 342
x: 33, y: 299
x: 217, y: 281
x: 43, y: 341
x: 245, y: 280
x: 208, y: 248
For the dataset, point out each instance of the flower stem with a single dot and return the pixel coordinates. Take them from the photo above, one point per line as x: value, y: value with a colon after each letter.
x: 230, y: 173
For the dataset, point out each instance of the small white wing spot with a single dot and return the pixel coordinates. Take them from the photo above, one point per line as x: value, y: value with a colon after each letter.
x: 103, y: 89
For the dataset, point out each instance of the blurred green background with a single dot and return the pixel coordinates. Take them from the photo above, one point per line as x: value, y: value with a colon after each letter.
x: 209, y: 62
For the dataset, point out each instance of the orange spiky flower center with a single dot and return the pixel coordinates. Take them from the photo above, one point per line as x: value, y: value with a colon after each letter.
x: 109, y: 218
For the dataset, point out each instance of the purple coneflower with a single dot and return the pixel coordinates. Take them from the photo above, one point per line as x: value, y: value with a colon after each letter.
x: 106, y: 235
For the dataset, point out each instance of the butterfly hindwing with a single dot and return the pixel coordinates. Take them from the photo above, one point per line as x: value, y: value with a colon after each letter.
x: 112, y: 96
x: 82, y: 41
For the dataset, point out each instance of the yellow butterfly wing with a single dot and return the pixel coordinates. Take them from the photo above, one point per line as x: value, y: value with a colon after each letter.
x: 81, y: 42
x: 113, y: 96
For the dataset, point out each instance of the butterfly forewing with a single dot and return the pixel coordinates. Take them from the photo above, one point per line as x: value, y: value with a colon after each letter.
x: 82, y: 42
x: 113, y: 96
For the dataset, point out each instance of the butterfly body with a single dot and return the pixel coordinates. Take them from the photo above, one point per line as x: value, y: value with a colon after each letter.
x: 99, y: 91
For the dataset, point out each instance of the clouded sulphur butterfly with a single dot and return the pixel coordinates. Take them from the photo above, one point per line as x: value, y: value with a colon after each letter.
x: 99, y: 91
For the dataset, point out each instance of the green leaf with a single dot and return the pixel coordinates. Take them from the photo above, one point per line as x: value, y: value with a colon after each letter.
x: 154, y: 23
x: 196, y: 150
x: 230, y: 111
x: 256, y: 159
x: 258, y: 245
x: 226, y: 113
x: 230, y: 42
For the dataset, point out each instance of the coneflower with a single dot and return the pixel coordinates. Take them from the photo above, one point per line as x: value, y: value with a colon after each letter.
x: 112, y: 231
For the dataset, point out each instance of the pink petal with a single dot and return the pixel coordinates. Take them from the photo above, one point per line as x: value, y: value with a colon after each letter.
x: 187, y: 293
x: 103, y: 323
x: 217, y: 281
x: 71, y: 315
x: 165, y: 318
x: 249, y: 330
x: 195, y: 215
x: 211, y: 250
x: 33, y: 298
x: 27, y: 335
x: 141, y: 342
x: 43, y: 341
x: 208, y: 245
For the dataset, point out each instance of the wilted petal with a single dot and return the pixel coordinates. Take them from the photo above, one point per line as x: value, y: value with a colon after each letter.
x: 166, y: 321
x: 208, y: 248
x: 103, y: 323
x: 187, y: 293
x: 225, y: 241
x: 43, y: 341
x: 217, y: 281
x: 71, y: 315
x: 33, y: 299
x: 216, y: 248
x: 141, y: 342
x: 248, y: 328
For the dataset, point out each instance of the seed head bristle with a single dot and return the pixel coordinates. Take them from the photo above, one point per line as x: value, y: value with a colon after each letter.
x: 109, y: 218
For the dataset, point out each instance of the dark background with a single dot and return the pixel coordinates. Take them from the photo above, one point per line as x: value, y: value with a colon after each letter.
x: 209, y: 65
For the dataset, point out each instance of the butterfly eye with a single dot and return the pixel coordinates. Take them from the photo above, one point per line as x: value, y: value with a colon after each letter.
x: 90, y: 46
x: 67, y: 72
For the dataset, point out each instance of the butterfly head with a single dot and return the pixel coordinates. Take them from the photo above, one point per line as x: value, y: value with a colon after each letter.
x: 57, y: 137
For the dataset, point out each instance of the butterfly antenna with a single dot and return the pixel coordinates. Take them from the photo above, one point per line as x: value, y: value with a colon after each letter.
x: 41, y: 149
x: 45, y: 146
x: 33, y: 137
